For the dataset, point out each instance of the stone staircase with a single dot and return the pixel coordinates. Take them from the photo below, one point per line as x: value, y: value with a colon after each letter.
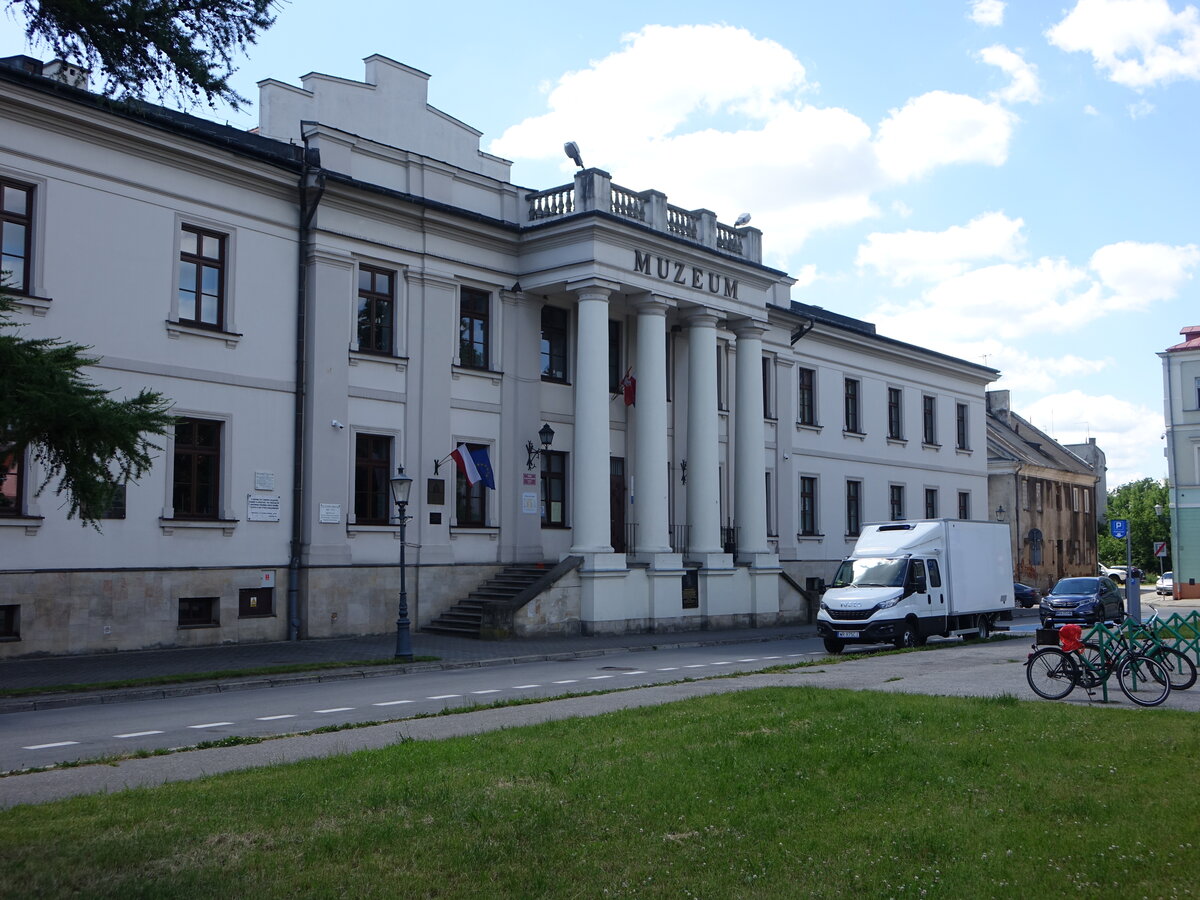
x: 467, y: 617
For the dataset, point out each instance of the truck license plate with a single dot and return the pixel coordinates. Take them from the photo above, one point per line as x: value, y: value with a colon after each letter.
x: 847, y: 634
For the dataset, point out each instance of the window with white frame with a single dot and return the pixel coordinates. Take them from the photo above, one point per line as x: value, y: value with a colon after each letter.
x: 808, y: 505
x: 896, y: 502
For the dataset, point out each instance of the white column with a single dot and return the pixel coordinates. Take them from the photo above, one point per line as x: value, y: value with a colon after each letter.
x: 703, y: 435
x: 591, y: 521
x: 749, y: 443
x: 650, y: 416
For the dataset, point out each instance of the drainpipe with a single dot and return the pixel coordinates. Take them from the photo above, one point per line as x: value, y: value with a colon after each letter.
x: 311, y: 189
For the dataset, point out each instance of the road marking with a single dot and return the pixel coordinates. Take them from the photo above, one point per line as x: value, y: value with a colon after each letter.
x: 598, y: 677
x: 48, y: 746
x: 210, y: 725
x: 723, y: 662
x: 667, y: 669
x: 273, y: 718
x: 492, y: 691
x: 696, y: 666
x: 334, y: 709
x: 635, y: 672
x: 391, y: 702
x: 772, y: 657
x: 567, y: 681
x: 136, y: 734
x: 444, y: 697
x: 524, y: 687
x: 752, y: 659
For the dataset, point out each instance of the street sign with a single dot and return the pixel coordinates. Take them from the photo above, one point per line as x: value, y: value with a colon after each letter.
x: 1119, y: 528
x: 1160, y: 549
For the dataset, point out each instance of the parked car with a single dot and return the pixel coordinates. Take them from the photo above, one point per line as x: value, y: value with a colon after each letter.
x: 1026, y: 596
x: 1116, y: 573
x: 1165, y: 583
x: 1083, y: 601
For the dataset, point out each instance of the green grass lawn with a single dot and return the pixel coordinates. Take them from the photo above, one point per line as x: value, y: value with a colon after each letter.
x: 774, y: 793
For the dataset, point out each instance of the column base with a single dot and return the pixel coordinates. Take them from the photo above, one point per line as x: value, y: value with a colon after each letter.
x: 759, y: 560
x: 712, y: 560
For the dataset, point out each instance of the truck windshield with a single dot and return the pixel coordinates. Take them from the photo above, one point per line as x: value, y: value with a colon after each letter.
x: 871, y: 572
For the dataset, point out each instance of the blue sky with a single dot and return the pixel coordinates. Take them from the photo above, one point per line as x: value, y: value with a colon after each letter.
x: 1010, y: 182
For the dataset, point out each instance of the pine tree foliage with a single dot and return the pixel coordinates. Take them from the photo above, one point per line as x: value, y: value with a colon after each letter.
x: 80, y: 435
x: 1135, y: 502
x: 182, y: 48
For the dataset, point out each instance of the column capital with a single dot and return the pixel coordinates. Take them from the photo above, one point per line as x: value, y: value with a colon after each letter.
x: 593, y: 288
x: 748, y: 328
x: 700, y: 317
x: 651, y: 304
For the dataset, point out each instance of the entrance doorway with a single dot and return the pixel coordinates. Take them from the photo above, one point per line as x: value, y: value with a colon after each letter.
x: 616, y: 503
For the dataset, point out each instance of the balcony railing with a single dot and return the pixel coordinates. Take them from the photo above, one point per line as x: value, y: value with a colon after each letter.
x: 593, y: 190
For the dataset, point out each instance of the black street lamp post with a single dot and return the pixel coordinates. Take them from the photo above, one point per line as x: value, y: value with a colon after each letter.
x: 401, y: 487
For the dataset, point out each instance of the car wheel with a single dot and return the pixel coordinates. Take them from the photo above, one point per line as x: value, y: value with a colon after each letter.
x: 909, y: 637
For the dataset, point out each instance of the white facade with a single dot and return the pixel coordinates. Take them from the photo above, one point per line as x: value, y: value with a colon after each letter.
x: 1181, y: 395
x: 378, y: 296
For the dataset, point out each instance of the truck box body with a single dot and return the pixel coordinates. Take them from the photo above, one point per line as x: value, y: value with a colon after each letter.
x: 907, y: 581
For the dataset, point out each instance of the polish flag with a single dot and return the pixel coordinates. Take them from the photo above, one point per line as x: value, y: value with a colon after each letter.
x: 466, y: 465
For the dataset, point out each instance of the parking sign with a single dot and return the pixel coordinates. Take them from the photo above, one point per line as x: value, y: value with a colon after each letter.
x: 1118, y: 528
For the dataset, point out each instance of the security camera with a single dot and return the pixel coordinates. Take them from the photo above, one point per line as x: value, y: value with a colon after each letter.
x: 338, y: 425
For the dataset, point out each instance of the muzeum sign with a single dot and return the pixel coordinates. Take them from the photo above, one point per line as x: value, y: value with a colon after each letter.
x: 681, y: 273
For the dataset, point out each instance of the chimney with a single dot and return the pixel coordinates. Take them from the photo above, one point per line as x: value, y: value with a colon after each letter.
x: 997, y: 402
x: 67, y: 73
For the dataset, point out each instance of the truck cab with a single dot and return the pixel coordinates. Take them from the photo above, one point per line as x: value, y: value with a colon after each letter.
x: 874, y: 599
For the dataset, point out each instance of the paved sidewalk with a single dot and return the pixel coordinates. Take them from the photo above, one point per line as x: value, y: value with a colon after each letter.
x: 450, y: 652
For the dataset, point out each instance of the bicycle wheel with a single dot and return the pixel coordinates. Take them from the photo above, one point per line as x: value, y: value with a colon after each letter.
x: 1051, y: 673
x: 1093, y: 667
x: 1181, y: 671
x: 1143, y: 680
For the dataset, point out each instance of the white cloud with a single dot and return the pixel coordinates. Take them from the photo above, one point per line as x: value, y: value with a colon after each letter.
x: 1136, y: 43
x: 1090, y: 110
x: 1137, y: 275
x: 1141, y: 109
x: 936, y: 255
x: 988, y: 13
x: 1126, y: 432
x: 648, y: 115
x: 940, y: 128
x: 1023, y: 86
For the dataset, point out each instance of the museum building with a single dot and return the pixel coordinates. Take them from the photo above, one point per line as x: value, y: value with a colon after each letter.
x: 660, y: 438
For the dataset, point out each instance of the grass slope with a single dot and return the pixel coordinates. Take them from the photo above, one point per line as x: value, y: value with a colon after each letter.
x: 771, y: 793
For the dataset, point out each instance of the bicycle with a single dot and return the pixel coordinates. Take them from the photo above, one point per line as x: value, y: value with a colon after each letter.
x: 1053, y: 672
x: 1181, y: 671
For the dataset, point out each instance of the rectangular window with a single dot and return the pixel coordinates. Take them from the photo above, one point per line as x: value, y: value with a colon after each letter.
x: 11, y: 496
x: 929, y: 419
x: 931, y: 503
x: 554, y: 489
x: 768, y: 371
x: 196, y: 489
x: 615, y: 372
x: 722, y: 383
x: 895, y: 425
x: 962, y: 437
x: 1026, y: 494
x: 772, y: 530
x: 1040, y: 494
x: 372, y: 474
x: 16, y: 235
x: 10, y: 622
x: 199, y: 612
x: 474, y: 328
x: 896, y: 502
x: 806, y: 399
x: 853, y: 508
x: 256, y: 603
x: 116, y: 505
x: 1087, y: 500
x: 554, y: 343
x: 376, y: 310
x: 470, y: 500
x: 202, y: 277
x: 808, y: 505
x: 853, y: 421
x: 670, y: 358
x: 964, y: 504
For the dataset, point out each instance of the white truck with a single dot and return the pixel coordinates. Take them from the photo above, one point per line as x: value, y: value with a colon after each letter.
x: 907, y: 581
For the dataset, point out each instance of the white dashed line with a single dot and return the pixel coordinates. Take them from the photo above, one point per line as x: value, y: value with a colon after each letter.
x: 492, y: 691
x: 567, y: 681
x: 335, y: 709
x: 667, y: 669
x: 392, y: 703
x: 696, y: 666
x: 772, y: 657
x: 525, y: 687
x: 723, y: 662
x: 635, y: 672
x: 133, y: 734
x: 444, y: 697
x: 598, y: 677
x: 49, y: 746
x: 752, y: 659
x: 273, y: 718
x: 210, y: 725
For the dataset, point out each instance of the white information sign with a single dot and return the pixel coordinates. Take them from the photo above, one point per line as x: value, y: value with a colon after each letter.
x: 331, y: 513
x: 529, y: 503
x: 264, y: 481
x: 262, y: 509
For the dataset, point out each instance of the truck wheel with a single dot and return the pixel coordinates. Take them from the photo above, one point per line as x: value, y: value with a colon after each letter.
x: 909, y: 637
x: 983, y: 630
x: 833, y: 645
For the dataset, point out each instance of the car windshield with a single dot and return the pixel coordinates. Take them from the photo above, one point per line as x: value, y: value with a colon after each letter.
x: 871, y: 571
x: 1075, y: 586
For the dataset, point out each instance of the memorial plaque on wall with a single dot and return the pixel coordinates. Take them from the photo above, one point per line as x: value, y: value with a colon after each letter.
x: 691, y: 589
x: 435, y: 492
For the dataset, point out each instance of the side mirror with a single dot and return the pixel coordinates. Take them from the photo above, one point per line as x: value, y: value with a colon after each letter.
x: 919, y: 585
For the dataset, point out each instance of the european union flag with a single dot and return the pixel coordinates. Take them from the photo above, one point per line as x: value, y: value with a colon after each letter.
x: 484, y: 465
